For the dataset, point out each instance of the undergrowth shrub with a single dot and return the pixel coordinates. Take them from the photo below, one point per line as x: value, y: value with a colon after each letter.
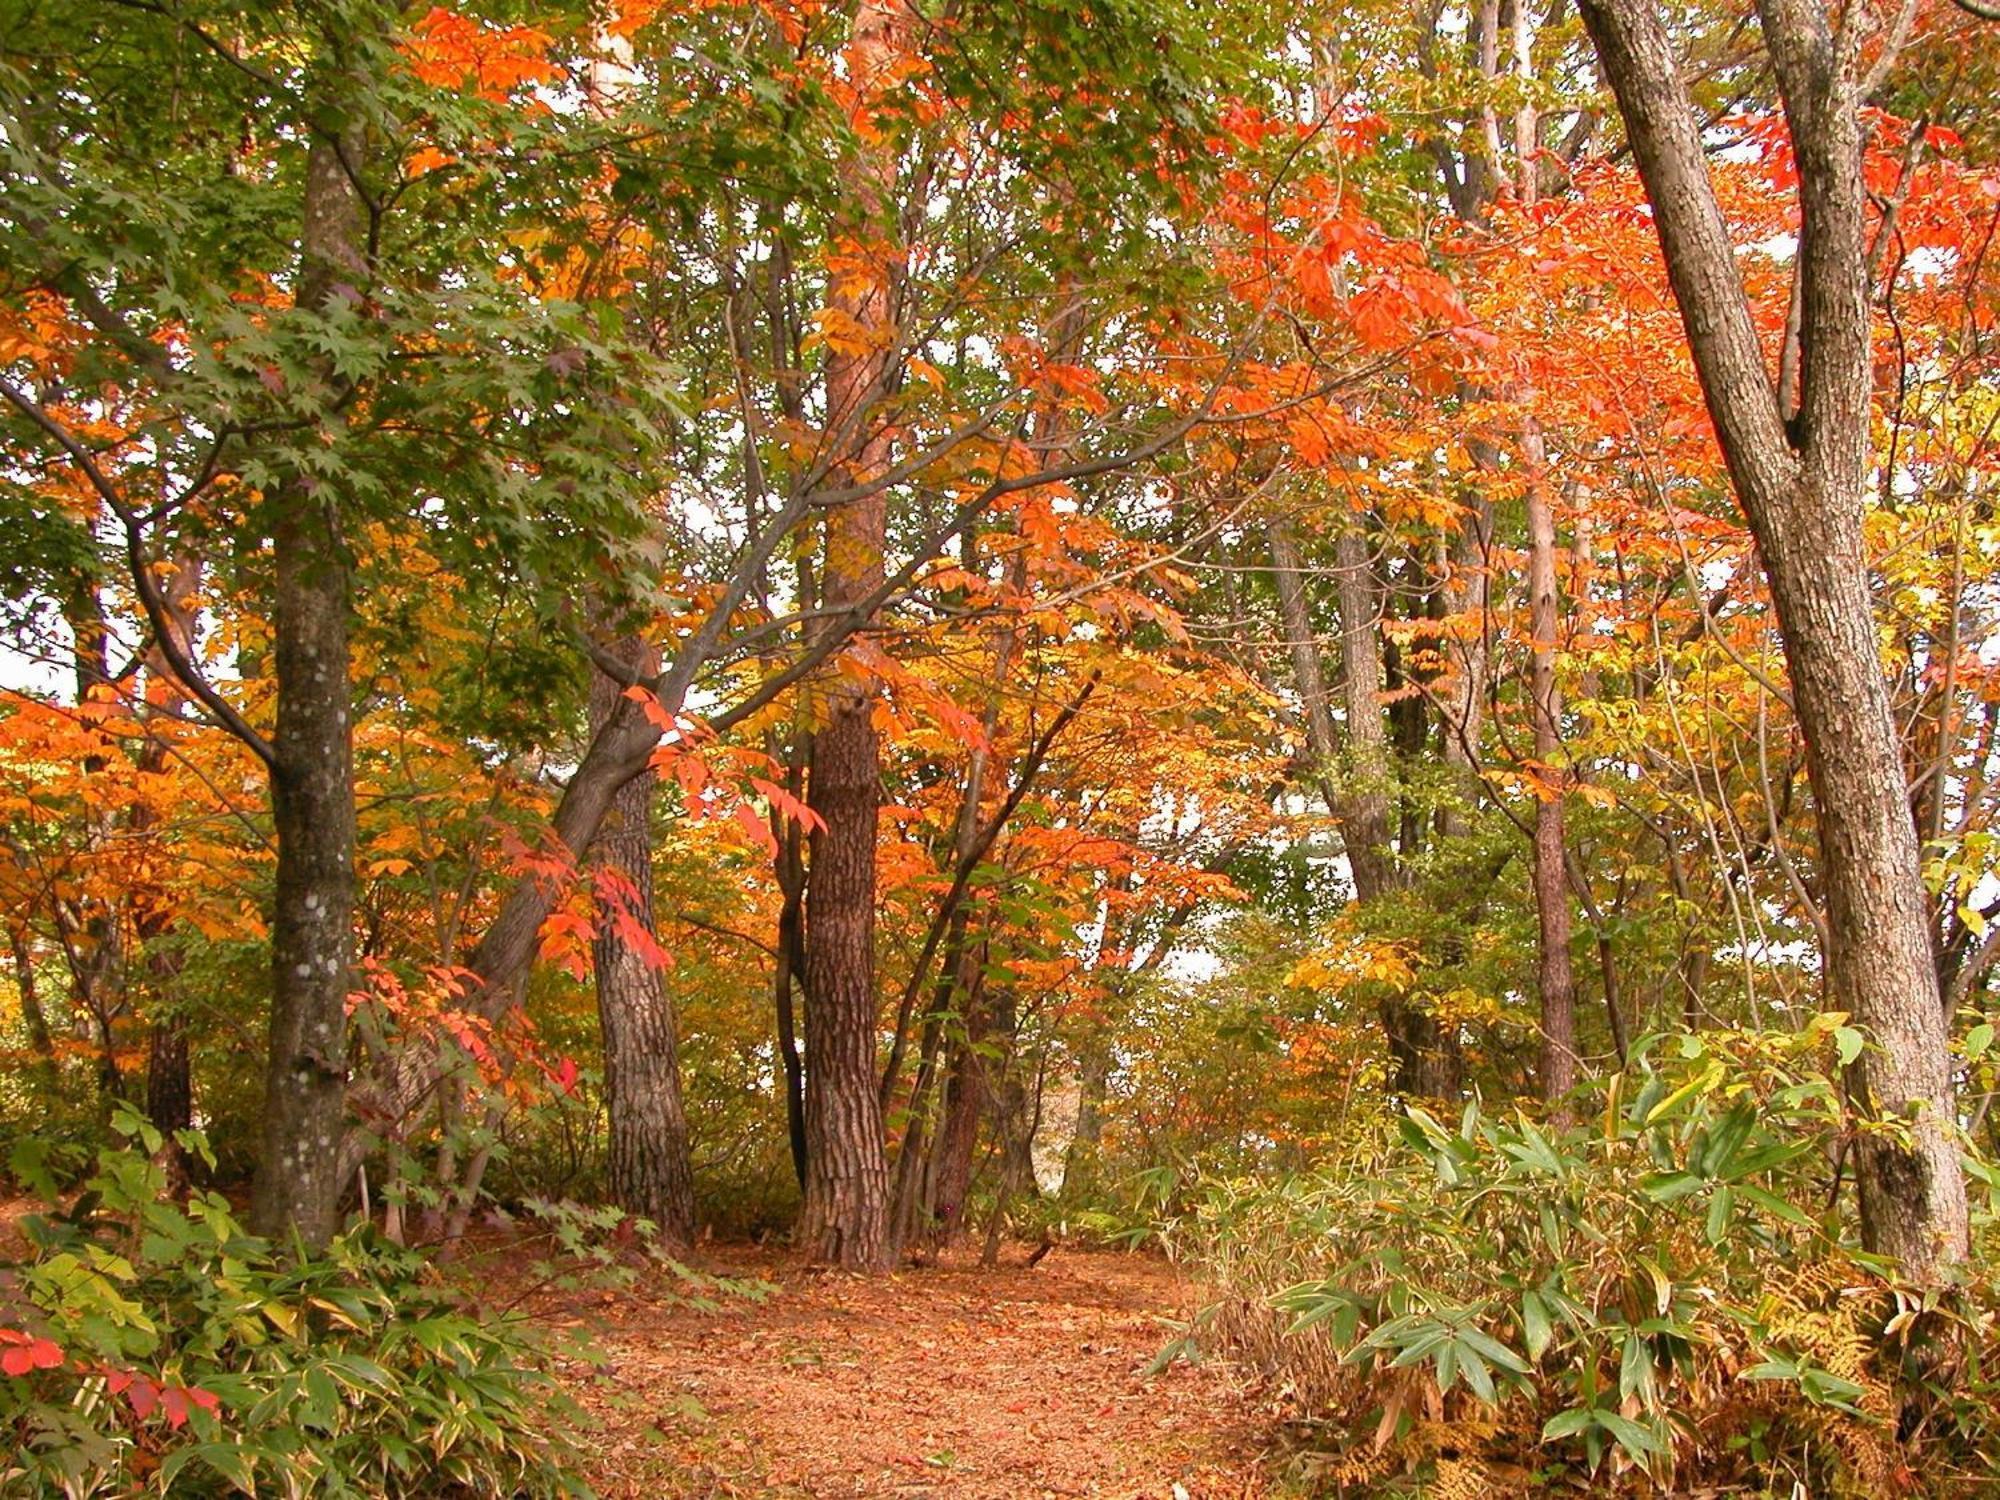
x: 1666, y: 1294
x: 151, y: 1347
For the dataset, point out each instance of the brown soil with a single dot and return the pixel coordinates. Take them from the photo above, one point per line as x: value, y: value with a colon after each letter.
x: 949, y: 1381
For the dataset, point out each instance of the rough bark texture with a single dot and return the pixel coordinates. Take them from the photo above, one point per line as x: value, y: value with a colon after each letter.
x: 647, y: 1157
x: 312, y: 783
x: 844, y: 1215
x: 844, y: 1218
x: 1802, y: 485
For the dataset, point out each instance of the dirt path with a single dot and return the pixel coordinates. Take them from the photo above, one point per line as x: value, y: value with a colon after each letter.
x: 951, y: 1382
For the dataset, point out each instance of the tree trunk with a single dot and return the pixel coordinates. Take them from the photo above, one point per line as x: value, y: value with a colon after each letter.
x: 1555, y: 976
x: 32, y: 1016
x: 786, y: 974
x: 312, y: 782
x: 844, y: 1218
x: 1302, y: 646
x: 1081, y: 1161
x: 1802, y: 485
x: 647, y: 1161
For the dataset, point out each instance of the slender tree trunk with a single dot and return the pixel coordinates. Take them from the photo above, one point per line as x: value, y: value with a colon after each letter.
x: 787, y: 973
x: 966, y: 1102
x: 1365, y: 797
x: 1464, y: 698
x: 1302, y: 646
x: 1802, y: 484
x: 169, y: 1075
x: 1555, y: 974
x: 32, y: 1015
x: 312, y: 783
x: 647, y: 1159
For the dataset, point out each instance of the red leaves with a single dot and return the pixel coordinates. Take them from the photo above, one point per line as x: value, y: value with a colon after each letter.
x: 174, y: 1402
x: 22, y: 1353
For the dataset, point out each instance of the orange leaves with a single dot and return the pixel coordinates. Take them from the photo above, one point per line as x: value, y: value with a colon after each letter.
x: 426, y: 159
x: 843, y: 333
x: 32, y: 328
x: 454, y: 51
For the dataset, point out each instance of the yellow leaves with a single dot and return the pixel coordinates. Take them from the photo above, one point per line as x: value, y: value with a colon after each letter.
x: 1358, y: 960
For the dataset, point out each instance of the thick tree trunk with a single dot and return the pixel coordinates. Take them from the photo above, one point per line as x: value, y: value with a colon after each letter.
x: 845, y: 1217
x: 647, y: 1159
x: 1802, y: 485
x: 312, y: 782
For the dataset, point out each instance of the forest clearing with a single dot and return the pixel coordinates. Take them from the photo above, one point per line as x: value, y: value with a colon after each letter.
x: 1129, y: 748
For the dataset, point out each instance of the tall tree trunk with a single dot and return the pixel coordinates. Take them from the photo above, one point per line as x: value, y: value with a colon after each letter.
x: 647, y: 1163
x: 844, y: 1218
x: 1463, y: 702
x: 1802, y: 484
x: 1555, y: 975
x: 169, y: 1076
x: 312, y: 781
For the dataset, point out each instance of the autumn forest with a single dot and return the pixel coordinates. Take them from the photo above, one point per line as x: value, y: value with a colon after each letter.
x: 1000, y: 747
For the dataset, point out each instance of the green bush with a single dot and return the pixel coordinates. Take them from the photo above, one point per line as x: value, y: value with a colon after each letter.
x: 164, y: 1349
x: 1665, y: 1293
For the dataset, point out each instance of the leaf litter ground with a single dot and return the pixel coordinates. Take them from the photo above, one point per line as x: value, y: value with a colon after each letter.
x: 948, y: 1381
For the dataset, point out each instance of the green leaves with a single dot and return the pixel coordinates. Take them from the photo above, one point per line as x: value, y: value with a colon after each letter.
x: 353, y: 1374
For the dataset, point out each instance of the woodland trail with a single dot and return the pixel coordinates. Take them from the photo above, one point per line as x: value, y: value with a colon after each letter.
x: 948, y: 1381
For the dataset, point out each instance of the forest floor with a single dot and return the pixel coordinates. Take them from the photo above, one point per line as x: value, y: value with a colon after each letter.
x: 948, y: 1381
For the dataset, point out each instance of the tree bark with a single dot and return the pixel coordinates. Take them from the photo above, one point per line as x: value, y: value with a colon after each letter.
x: 647, y: 1160
x: 32, y: 1015
x: 787, y: 974
x: 1302, y: 646
x: 844, y: 1218
x: 1554, y: 973
x: 312, y: 781
x: 1802, y: 486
